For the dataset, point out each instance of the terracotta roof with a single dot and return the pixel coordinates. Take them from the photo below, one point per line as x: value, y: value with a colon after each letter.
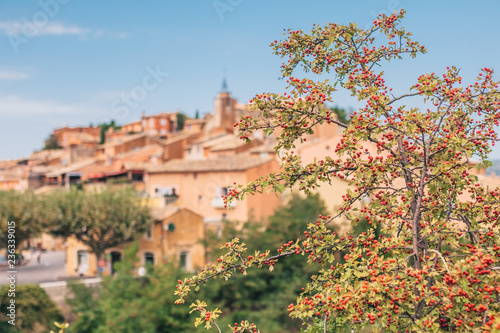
x: 47, y: 154
x: 6, y: 164
x: 72, y: 167
x: 161, y: 114
x: 93, y: 170
x: 208, y: 141
x: 138, y: 165
x: 163, y: 213
x: 228, y: 144
x: 132, y: 123
x: 238, y: 162
x: 140, y: 150
x: 122, y: 139
x: 43, y: 168
x: 176, y: 137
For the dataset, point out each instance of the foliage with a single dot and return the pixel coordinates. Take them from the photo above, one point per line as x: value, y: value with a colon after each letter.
x: 35, y: 310
x: 61, y: 327
x: 104, y: 128
x: 127, y: 303
x: 100, y: 220
x: 85, y: 306
x: 181, y: 118
x: 342, y: 115
x: 434, y: 266
x: 257, y: 295
x: 52, y: 142
x: 25, y: 210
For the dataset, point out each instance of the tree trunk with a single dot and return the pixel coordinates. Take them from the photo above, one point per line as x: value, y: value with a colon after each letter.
x: 98, y: 256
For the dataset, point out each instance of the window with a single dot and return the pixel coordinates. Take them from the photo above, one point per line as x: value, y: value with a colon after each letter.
x: 138, y: 177
x: 151, y: 122
x: 83, y: 262
x: 184, y: 260
x: 163, y: 132
x: 163, y: 122
x: 165, y: 191
x: 218, y: 231
x: 149, y: 233
x: 218, y: 201
x: 222, y: 191
x: 115, y: 257
x: 149, y: 258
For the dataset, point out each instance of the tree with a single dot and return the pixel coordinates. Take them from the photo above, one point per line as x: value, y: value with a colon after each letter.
x: 435, y: 264
x: 181, y: 118
x: 34, y: 309
x: 127, y: 303
x: 255, y: 295
x: 24, y: 209
x: 52, y: 142
x: 100, y: 220
x: 104, y: 128
x: 342, y: 115
x: 84, y: 305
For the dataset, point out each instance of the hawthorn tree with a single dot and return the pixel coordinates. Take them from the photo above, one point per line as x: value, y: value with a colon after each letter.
x: 434, y: 266
x: 255, y: 295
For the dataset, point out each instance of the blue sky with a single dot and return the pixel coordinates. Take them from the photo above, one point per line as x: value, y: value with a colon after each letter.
x: 76, y: 62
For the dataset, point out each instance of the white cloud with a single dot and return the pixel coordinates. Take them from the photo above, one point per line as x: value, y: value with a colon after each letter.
x: 13, y: 106
x: 12, y: 76
x: 61, y: 29
x: 32, y: 29
x: 10, y: 28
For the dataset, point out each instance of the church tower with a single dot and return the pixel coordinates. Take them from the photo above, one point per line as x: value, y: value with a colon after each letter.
x: 224, y: 110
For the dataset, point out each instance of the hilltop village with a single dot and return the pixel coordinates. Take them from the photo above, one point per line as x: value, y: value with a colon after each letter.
x: 182, y: 166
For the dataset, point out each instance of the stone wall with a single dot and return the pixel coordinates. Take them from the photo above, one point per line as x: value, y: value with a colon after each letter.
x: 59, y: 291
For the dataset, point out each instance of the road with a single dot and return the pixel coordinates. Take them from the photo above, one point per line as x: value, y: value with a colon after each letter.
x: 52, y: 267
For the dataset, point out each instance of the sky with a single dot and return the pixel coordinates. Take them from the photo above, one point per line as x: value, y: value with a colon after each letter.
x: 81, y: 62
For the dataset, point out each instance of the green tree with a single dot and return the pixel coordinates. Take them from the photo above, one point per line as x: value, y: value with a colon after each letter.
x: 84, y: 304
x: 434, y: 266
x: 100, y: 220
x: 127, y: 303
x: 52, y: 142
x: 181, y: 118
x: 257, y: 295
x: 34, y: 309
x: 25, y: 210
x: 342, y: 114
x: 104, y: 128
